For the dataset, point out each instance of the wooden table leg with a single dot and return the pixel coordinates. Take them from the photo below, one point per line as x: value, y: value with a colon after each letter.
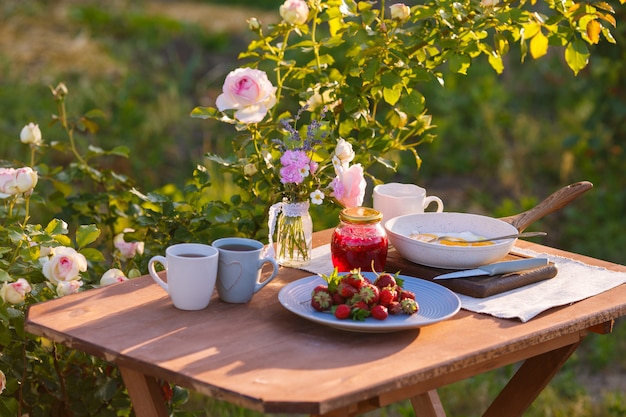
x: 428, y: 404
x: 145, y: 394
x: 528, y: 382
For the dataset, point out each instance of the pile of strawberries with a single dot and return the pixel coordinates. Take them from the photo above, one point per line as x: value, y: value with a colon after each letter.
x: 354, y: 296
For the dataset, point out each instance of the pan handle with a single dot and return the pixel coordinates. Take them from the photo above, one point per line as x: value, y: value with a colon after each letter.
x: 553, y: 202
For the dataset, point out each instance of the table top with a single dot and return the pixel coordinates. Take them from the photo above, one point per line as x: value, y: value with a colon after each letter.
x: 263, y: 357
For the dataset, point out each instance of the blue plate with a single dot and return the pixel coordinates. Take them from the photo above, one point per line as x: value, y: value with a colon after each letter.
x: 436, y: 303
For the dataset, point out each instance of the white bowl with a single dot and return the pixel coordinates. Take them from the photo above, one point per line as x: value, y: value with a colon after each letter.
x: 450, y: 257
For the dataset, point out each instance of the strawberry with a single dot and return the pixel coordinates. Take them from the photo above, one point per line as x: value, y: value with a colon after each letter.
x: 409, y: 306
x: 385, y: 280
x: 354, y: 278
x: 360, y: 311
x: 395, y: 308
x: 369, y: 293
x: 402, y: 294
x: 379, y: 312
x: 342, y: 311
x: 337, y: 299
x: 346, y: 290
x: 320, y: 298
x: 387, y: 295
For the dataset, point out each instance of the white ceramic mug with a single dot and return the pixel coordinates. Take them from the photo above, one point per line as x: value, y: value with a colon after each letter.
x: 239, y: 271
x: 191, y: 270
x: 395, y: 199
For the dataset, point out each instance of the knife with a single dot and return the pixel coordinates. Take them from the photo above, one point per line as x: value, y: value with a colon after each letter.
x: 498, y: 268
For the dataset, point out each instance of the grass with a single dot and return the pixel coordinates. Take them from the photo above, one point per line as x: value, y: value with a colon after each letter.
x: 504, y: 142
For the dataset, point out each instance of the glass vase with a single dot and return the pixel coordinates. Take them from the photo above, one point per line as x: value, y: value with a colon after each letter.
x: 294, y: 235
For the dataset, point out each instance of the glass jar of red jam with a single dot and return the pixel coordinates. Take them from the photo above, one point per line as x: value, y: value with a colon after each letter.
x: 358, y: 240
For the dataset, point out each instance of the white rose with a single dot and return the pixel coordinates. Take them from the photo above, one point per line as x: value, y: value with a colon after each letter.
x: 248, y: 91
x: 295, y: 12
x: 489, y: 3
x: 25, y: 179
x: 65, y: 264
x: 68, y: 287
x: 343, y: 153
x: 3, y: 382
x: 15, y: 292
x: 112, y: 276
x: 7, y: 182
x: 31, y: 134
x: 400, y: 11
x: 127, y: 250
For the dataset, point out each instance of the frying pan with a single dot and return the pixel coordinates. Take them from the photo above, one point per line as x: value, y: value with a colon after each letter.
x: 461, y: 257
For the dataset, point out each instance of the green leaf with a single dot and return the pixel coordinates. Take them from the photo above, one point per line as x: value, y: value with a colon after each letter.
x: 495, y: 60
x: 460, y: 63
x: 392, y: 95
x: 538, y: 45
x: 87, y: 234
x: 93, y: 255
x: 577, y: 55
x: 56, y: 227
x: 205, y: 112
x: 4, y: 276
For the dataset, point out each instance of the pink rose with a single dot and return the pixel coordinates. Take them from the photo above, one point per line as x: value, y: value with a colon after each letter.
x: 248, y: 91
x: 15, y: 292
x: 349, y: 186
x: 68, y: 287
x: 65, y: 264
x: 127, y: 250
x: 295, y: 12
x: 112, y: 276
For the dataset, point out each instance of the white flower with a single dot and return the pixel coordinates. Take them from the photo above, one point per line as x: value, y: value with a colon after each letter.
x: 295, y: 12
x: 489, y: 3
x: 65, y: 264
x: 15, y: 292
x: 3, y: 382
x: 31, y: 134
x: 17, y: 181
x: 127, y: 250
x: 25, y: 179
x: 68, y: 287
x: 400, y: 11
x: 248, y: 91
x: 343, y: 154
x: 112, y: 276
x: 317, y: 197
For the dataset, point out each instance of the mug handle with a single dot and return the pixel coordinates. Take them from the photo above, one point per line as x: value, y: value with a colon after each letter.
x: 153, y: 273
x: 433, y: 199
x: 263, y: 261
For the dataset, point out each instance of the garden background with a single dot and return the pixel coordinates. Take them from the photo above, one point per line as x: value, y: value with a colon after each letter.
x: 503, y: 142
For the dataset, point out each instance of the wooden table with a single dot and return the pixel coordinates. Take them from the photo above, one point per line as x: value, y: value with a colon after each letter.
x: 263, y: 357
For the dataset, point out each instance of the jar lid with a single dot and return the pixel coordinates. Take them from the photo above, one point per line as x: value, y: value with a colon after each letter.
x: 360, y: 215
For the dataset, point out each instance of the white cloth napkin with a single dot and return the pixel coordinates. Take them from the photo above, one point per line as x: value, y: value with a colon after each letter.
x: 574, y: 281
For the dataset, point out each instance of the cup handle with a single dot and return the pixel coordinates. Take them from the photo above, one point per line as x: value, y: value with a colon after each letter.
x: 263, y: 261
x: 154, y: 260
x: 433, y: 199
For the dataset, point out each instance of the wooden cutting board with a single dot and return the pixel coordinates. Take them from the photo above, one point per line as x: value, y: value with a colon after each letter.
x: 478, y: 287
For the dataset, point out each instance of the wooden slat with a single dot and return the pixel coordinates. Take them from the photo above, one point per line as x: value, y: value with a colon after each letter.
x: 529, y: 380
x: 428, y: 404
x: 147, y: 400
